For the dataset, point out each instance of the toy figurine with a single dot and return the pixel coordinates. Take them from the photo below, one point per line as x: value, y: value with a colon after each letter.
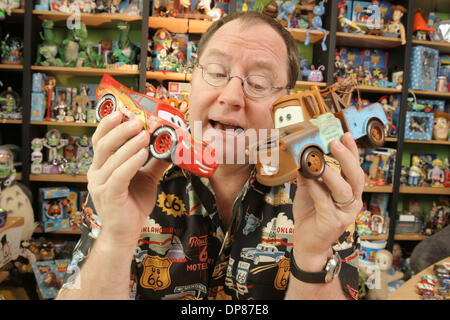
x: 395, y: 28
x: 48, y: 50
x: 74, y: 47
x: 441, y: 125
x: 420, y: 27
x: 10, y: 105
x: 285, y: 11
x: 80, y: 104
x: 6, y: 6
x: 7, y: 170
x: 271, y: 9
x: 316, y: 75
x: 36, y: 156
x: 54, y: 143
x: 383, y: 263
x: 214, y: 13
x: 50, y: 83
x: 318, y: 11
x: 436, y: 174
x: 415, y: 172
x: 11, y: 50
x: 127, y: 51
x: 346, y: 24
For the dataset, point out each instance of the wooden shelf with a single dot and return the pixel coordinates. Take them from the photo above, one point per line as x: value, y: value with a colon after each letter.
x: 443, y: 47
x: 307, y: 84
x: 198, y: 26
x: 435, y: 94
x: 11, y: 67
x: 101, y: 20
x: 373, y: 89
x: 366, y: 41
x: 378, y: 189
x: 444, y: 142
x: 167, y: 75
x: 375, y: 237
x: 175, y: 25
x: 39, y: 230
x: 390, y: 139
x: 397, y: 237
x: 9, y: 121
x: 425, y: 190
x: 58, y: 178
x: 63, y: 124
x: 300, y: 35
x: 85, y: 71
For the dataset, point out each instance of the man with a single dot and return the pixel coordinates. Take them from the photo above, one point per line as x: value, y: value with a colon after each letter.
x: 227, y: 236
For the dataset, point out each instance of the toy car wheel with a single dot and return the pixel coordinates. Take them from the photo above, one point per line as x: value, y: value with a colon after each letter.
x: 163, y: 143
x: 312, y: 163
x: 375, y: 134
x: 106, y: 106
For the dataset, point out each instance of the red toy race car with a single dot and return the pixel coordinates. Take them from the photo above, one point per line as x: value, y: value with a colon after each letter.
x: 170, y: 139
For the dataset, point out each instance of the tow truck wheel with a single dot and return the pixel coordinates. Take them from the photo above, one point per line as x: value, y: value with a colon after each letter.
x: 106, y: 106
x: 375, y: 134
x: 163, y: 143
x: 312, y: 163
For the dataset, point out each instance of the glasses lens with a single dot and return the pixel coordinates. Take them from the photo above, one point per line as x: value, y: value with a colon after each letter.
x: 215, y: 74
x: 257, y: 86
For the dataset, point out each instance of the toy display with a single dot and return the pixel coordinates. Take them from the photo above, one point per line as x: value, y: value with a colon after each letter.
x: 420, y: 27
x: 419, y: 125
x: 303, y: 148
x: 54, y: 204
x: 441, y: 125
x: 437, y: 219
x: 377, y: 165
x: 10, y: 235
x: 318, y: 12
x: 130, y: 7
x: 7, y: 5
x: 10, y: 102
x: 7, y: 170
x: 424, y: 68
x: 126, y: 52
x: 49, y: 276
x: 165, y: 124
x: 11, y: 50
x: 394, y: 27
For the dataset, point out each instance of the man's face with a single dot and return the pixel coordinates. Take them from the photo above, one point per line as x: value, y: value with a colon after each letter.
x: 224, y: 111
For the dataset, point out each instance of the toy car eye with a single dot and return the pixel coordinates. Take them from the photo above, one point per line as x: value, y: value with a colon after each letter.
x: 288, y: 116
x: 172, y: 120
x: 281, y: 119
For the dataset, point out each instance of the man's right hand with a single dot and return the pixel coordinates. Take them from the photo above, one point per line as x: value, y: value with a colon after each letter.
x: 123, y: 191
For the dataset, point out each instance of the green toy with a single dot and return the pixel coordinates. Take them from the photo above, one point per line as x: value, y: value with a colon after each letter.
x: 48, y: 49
x: 73, y: 49
x: 127, y: 52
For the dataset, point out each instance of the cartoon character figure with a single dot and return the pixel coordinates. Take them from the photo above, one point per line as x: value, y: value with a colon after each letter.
x: 395, y: 28
x: 285, y: 11
x: 214, y: 13
x: 54, y: 143
x: 7, y: 171
x: 436, y: 174
x: 318, y: 11
x: 440, y: 125
x: 415, y: 172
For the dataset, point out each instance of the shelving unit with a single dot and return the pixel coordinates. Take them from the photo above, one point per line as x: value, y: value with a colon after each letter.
x: 32, y: 18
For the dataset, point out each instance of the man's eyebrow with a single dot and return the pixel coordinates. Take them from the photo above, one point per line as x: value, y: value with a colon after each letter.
x: 216, y: 52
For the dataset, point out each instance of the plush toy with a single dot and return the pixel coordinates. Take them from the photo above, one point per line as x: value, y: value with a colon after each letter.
x: 383, y: 263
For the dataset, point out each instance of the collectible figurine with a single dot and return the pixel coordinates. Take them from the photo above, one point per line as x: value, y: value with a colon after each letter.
x: 214, y: 13
x: 7, y: 170
x: 10, y: 104
x: 11, y: 50
x: 436, y: 174
x: 80, y: 104
x: 316, y: 75
x: 383, y: 263
x: 127, y: 51
x: 415, y: 172
x: 50, y: 83
x: 36, y: 156
x: 420, y: 27
x: 345, y: 24
x: 74, y: 47
x: 441, y: 125
x: 54, y: 143
x: 395, y: 28
x: 285, y: 11
x: 7, y: 6
x: 271, y: 9
x: 48, y: 49
x: 318, y: 11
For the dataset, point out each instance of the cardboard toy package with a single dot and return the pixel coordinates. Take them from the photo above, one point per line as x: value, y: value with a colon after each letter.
x: 424, y: 68
x: 49, y: 276
x: 54, y: 205
x: 10, y: 236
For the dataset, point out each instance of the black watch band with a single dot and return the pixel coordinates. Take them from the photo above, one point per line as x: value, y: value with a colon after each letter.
x: 329, y: 273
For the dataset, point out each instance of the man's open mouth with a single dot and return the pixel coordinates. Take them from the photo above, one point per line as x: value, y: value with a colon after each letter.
x: 226, y: 127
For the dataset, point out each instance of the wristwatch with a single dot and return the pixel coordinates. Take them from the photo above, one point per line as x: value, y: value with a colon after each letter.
x: 330, y: 271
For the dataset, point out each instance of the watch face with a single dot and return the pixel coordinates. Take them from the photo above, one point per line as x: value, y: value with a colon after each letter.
x: 333, y: 267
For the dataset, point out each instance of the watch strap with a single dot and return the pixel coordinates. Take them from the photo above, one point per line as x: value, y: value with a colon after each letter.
x: 305, y: 276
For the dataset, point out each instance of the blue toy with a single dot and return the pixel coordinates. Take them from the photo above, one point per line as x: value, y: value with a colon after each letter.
x: 318, y: 11
x: 286, y: 9
x: 304, y: 68
x: 43, y: 6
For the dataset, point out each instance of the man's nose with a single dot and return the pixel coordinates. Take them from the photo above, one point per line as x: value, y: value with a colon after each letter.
x: 232, y: 93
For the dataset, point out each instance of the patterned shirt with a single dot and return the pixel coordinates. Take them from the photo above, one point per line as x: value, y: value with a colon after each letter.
x: 184, y: 252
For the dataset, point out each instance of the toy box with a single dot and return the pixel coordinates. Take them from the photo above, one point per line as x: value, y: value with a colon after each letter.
x: 49, y: 276
x: 38, y: 102
x: 10, y: 236
x: 424, y: 68
x: 54, y: 205
x: 375, y: 59
x: 376, y: 165
x: 365, y: 14
x: 352, y: 56
x: 37, y: 83
x: 432, y: 105
x: 419, y: 125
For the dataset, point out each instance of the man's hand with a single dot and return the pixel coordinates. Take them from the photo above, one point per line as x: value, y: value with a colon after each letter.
x: 318, y: 221
x: 122, y: 191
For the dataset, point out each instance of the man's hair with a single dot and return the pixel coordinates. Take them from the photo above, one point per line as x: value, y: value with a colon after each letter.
x: 250, y: 18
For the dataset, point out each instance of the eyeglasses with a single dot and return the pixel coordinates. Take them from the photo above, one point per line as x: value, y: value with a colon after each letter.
x: 254, y: 86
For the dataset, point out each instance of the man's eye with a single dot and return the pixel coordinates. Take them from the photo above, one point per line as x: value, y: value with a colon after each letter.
x: 218, y: 75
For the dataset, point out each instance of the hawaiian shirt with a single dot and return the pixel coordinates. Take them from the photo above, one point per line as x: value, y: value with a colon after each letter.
x: 184, y: 252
